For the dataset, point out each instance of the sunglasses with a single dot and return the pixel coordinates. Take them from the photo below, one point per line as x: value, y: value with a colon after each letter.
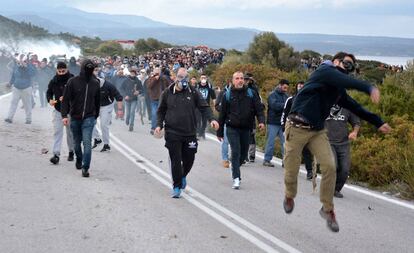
x: 61, y: 71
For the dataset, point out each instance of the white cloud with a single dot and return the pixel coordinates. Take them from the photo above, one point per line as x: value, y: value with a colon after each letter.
x: 132, y: 5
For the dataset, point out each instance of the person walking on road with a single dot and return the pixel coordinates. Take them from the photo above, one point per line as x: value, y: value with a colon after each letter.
x: 207, y: 92
x: 325, y: 87
x: 239, y: 107
x: 275, y: 102
x: 131, y: 87
x: 81, y: 100
x: 176, y: 114
x: 155, y: 86
x: 225, y: 143
x: 339, y: 138
x: 54, y: 95
x: 21, y: 81
x: 108, y: 96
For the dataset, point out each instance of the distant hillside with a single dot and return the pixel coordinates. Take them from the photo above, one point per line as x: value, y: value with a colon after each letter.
x: 12, y: 29
x: 109, y: 27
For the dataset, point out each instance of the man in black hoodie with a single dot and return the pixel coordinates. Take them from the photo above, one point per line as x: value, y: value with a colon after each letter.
x: 54, y: 95
x: 81, y: 99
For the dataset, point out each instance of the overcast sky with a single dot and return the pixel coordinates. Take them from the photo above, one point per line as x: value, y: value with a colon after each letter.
x: 351, y: 17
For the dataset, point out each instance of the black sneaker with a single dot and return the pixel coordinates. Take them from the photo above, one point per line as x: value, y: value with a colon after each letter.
x: 288, y: 205
x: 251, y: 159
x: 152, y: 132
x: 309, y: 175
x: 96, y: 142
x: 8, y: 121
x: 106, y: 147
x: 330, y: 219
x: 71, y: 156
x: 54, y: 159
x: 85, y: 172
x: 131, y: 128
x: 268, y: 164
x: 78, y: 164
x: 338, y: 194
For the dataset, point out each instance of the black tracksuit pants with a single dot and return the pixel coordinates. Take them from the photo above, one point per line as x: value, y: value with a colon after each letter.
x: 182, y: 150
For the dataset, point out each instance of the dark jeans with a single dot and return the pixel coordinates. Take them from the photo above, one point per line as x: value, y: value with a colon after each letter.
x: 82, y: 132
x: 154, y: 108
x: 149, y: 109
x: 182, y: 150
x: 342, y: 156
x: 252, y: 144
x: 239, y: 144
x: 202, y: 125
x: 130, y: 108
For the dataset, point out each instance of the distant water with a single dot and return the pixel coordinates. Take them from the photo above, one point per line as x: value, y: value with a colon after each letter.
x: 387, y: 59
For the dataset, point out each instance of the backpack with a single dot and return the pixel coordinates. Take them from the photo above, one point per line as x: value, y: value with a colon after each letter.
x: 228, y: 93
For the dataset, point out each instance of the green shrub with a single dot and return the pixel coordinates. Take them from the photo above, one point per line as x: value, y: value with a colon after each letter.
x: 387, y: 160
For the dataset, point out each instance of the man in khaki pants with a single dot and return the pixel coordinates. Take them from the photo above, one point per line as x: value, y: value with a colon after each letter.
x: 305, y: 126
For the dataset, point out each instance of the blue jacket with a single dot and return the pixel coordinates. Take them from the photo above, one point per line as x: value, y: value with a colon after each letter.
x: 22, y: 76
x: 326, y: 87
x: 275, y: 103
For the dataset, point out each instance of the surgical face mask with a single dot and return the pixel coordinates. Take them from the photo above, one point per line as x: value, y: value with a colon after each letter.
x: 203, y: 81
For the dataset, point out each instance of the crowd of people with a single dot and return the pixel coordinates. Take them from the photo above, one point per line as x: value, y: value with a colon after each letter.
x: 311, y: 124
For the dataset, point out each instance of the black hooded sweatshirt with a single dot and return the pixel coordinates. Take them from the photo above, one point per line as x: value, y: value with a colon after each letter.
x: 56, y: 87
x: 81, y: 98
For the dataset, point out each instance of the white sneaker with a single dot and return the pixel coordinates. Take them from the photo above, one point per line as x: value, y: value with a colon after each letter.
x: 236, y: 183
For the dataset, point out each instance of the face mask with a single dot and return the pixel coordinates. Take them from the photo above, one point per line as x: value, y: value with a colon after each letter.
x: 349, y: 66
x: 203, y: 81
x: 342, y: 70
x: 182, y: 84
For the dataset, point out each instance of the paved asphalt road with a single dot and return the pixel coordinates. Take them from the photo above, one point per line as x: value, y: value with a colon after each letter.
x: 125, y: 205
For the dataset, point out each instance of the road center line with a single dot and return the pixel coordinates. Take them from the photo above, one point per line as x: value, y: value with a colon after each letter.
x: 254, y: 240
x: 192, y: 194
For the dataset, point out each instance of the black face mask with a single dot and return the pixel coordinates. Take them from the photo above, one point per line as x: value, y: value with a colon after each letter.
x: 342, y: 70
x: 348, y: 65
x: 89, y: 68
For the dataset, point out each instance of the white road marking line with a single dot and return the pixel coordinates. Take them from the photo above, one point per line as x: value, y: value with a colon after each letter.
x: 5, y: 95
x: 194, y: 193
x: 265, y: 247
x: 370, y: 193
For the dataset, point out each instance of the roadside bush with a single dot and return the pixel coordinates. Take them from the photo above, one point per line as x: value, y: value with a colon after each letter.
x: 387, y: 160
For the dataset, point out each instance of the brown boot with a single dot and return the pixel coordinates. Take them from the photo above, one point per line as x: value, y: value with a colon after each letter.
x: 330, y: 219
x: 288, y: 205
x: 226, y: 164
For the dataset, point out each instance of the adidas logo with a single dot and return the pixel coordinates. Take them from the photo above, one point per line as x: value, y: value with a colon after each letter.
x: 192, y: 144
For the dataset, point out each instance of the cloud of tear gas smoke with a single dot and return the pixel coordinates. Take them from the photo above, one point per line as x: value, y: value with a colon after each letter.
x: 43, y: 48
